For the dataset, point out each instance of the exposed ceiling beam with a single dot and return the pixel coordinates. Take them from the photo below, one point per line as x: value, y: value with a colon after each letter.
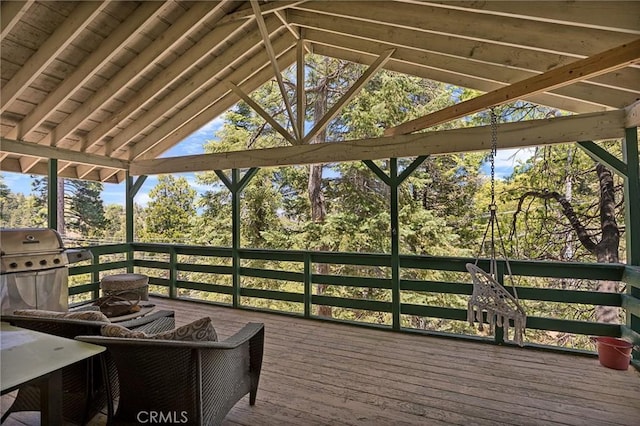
x: 62, y: 37
x: 40, y: 151
x: 27, y: 163
x: 347, y: 97
x: 221, y: 102
x: 274, y: 63
x: 247, y: 12
x: 264, y: 114
x: 633, y: 115
x: 10, y: 14
x: 484, y: 85
x: 301, y: 96
x: 218, y: 36
x: 600, y: 96
x: 89, y: 67
x: 504, y: 30
x: 606, y: 15
x: 595, y: 126
x: 448, y: 47
x: 601, y: 63
x: 134, y: 69
x: 209, y: 74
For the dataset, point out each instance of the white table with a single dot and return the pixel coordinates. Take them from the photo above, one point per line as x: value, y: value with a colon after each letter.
x: 32, y: 356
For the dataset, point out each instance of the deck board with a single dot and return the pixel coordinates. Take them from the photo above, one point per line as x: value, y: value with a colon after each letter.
x: 328, y: 373
x: 325, y: 373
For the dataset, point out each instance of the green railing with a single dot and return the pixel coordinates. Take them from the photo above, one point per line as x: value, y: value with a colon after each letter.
x: 237, y: 279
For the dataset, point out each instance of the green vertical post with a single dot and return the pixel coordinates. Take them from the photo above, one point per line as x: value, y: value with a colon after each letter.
x: 499, y: 331
x: 308, y: 281
x: 173, y: 273
x: 128, y: 214
x: 395, y: 244
x: 632, y: 195
x: 95, y: 275
x: 52, y: 194
x: 235, y: 235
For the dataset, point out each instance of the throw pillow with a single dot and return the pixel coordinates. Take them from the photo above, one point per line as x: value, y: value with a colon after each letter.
x: 198, y: 331
x: 80, y: 315
x: 115, y: 330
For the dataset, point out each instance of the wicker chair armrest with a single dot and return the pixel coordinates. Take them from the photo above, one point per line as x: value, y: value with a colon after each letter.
x: 242, y: 336
x: 12, y: 318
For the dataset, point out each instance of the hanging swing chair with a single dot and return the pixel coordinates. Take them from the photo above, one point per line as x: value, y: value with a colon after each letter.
x: 489, y: 296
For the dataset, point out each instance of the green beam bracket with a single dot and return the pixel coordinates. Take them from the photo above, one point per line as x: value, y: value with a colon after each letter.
x: 52, y: 199
x: 600, y: 155
x: 411, y: 168
x: 224, y: 179
x: 378, y: 171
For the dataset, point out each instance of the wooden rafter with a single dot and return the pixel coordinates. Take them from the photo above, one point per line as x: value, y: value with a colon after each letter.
x: 84, y: 13
x: 142, y: 62
x: 632, y: 115
x: 209, y: 105
x: 89, y: 67
x: 301, y: 102
x: 593, y: 126
x: 264, y: 114
x: 10, y: 14
x: 40, y: 151
x: 248, y: 12
x: 274, y: 63
x: 353, y: 90
x: 601, y: 63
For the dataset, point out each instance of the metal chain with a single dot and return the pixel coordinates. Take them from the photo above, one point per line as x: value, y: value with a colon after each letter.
x: 494, y: 151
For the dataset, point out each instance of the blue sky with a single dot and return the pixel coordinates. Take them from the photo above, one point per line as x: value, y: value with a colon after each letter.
x: 114, y: 193
x: 193, y: 144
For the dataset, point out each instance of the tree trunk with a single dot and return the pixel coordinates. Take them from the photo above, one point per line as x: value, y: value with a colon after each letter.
x: 606, y: 250
x: 316, y: 196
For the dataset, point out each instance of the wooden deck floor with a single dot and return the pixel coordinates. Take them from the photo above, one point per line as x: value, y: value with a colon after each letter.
x: 318, y: 373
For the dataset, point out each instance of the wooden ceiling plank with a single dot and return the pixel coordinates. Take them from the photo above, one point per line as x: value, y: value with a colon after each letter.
x: 264, y: 114
x: 84, y: 13
x: 351, y: 93
x: 474, y: 53
x: 106, y: 174
x: 508, y: 31
x: 595, y: 126
x: 83, y: 170
x: 607, y: 61
x: 206, y: 75
x: 294, y: 32
x: 10, y: 14
x: 579, y: 97
x: 607, y: 15
x: 224, y: 101
x: 274, y: 63
x: 89, y: 67
x: 547, y: 99
x: 41, y: 151
x: 219, y: 35
x: 134, y: 69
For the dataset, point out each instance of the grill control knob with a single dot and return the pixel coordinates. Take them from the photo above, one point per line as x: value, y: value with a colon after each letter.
x: 56, y: 260
x: 28, y: 264
x: 13, y: 265
x: 43, y: 262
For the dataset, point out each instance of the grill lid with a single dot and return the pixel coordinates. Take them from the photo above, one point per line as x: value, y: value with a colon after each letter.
x: 31, y: 249
x: 29, y: 241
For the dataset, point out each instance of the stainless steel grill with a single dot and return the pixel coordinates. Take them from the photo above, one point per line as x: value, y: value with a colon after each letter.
x: 33, y: 269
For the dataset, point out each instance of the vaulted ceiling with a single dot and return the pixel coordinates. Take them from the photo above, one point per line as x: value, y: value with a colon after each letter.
x: 104, y: 86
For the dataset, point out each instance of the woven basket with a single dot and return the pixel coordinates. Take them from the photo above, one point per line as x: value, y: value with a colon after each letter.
x: 135, y: 286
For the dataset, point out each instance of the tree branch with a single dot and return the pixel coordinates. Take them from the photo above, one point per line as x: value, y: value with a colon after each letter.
x: 567, y: 210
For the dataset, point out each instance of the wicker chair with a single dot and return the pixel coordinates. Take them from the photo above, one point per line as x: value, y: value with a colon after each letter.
x: 199, y: 382
x: 85, y: 391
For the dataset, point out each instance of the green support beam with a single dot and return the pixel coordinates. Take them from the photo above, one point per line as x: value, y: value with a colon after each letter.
x: 599, y: 154
x: 632, y: 195
x: 131, y: 189
x: 52, y: 199
x: 394, y: 180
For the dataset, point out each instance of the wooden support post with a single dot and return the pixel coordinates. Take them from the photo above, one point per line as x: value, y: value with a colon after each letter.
x: 235, y: 236
x: 132, y: 188
x: 395, y: 246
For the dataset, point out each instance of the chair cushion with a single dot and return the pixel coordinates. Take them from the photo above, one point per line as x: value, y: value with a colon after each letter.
x: 96, y: 316
x: 200, y: 330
